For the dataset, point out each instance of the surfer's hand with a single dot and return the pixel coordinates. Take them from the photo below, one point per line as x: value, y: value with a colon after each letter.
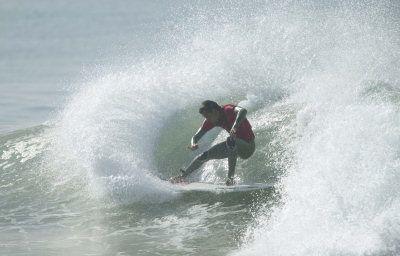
x: 193, y: 147
x: 233, y: 131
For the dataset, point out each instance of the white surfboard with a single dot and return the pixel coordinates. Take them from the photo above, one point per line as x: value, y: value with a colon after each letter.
x: 221, y: 187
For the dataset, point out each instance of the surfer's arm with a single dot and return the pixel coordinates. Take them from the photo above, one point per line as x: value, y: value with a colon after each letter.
x: 200, y: 132
x: 241, y: 115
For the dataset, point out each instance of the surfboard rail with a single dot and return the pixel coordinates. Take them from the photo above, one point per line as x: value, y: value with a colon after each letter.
x: 221, y: 187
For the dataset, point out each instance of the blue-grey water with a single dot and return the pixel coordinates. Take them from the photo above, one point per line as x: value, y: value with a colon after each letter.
x: 48, y: 47
x: 99, y: 100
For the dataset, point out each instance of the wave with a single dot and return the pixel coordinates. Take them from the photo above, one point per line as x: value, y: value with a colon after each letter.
x: 321, y: 84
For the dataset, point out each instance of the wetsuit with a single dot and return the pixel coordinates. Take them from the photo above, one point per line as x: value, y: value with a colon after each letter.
x: 243, y: 145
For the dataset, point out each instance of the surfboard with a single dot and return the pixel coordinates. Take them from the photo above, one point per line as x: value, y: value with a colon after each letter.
x: 221, y: 187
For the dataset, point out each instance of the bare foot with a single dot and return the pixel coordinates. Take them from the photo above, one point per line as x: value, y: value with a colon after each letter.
x: 230, y: 182
x: 177, y: 179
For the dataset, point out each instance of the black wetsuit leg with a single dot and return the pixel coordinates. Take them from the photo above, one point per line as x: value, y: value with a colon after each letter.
x: 218, y: 151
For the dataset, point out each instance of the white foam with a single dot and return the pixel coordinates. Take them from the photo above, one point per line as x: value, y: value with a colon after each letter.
x: 338, y: 194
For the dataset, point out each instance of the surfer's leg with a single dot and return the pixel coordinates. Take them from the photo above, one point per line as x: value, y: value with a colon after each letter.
x: 217, y: 151
x: 226, y: 149
x: 232, y: 158
x: 245, y: 149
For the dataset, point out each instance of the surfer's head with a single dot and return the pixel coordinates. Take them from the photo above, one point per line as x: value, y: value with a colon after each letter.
x: 210, y: 110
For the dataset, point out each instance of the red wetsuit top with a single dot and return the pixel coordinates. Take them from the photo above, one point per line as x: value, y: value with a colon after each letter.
x: 244, y: 130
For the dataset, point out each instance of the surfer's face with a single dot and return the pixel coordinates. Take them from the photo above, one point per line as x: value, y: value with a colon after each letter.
x: 212, y: 116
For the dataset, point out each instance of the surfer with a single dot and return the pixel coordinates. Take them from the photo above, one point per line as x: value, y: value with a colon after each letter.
x: 240, y: 141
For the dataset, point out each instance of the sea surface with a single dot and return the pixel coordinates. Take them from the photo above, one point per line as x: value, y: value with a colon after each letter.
x: 99, y: 99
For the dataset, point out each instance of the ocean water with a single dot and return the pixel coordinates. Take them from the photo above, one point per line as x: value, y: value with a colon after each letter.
x: 99, y: 100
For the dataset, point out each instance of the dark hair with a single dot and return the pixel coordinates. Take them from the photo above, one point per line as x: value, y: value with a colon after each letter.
x: 208, y: 106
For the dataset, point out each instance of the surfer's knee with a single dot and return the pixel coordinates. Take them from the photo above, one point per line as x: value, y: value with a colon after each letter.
x: 243, y: 155
x: 247, y: 151
x: 246, y: 155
